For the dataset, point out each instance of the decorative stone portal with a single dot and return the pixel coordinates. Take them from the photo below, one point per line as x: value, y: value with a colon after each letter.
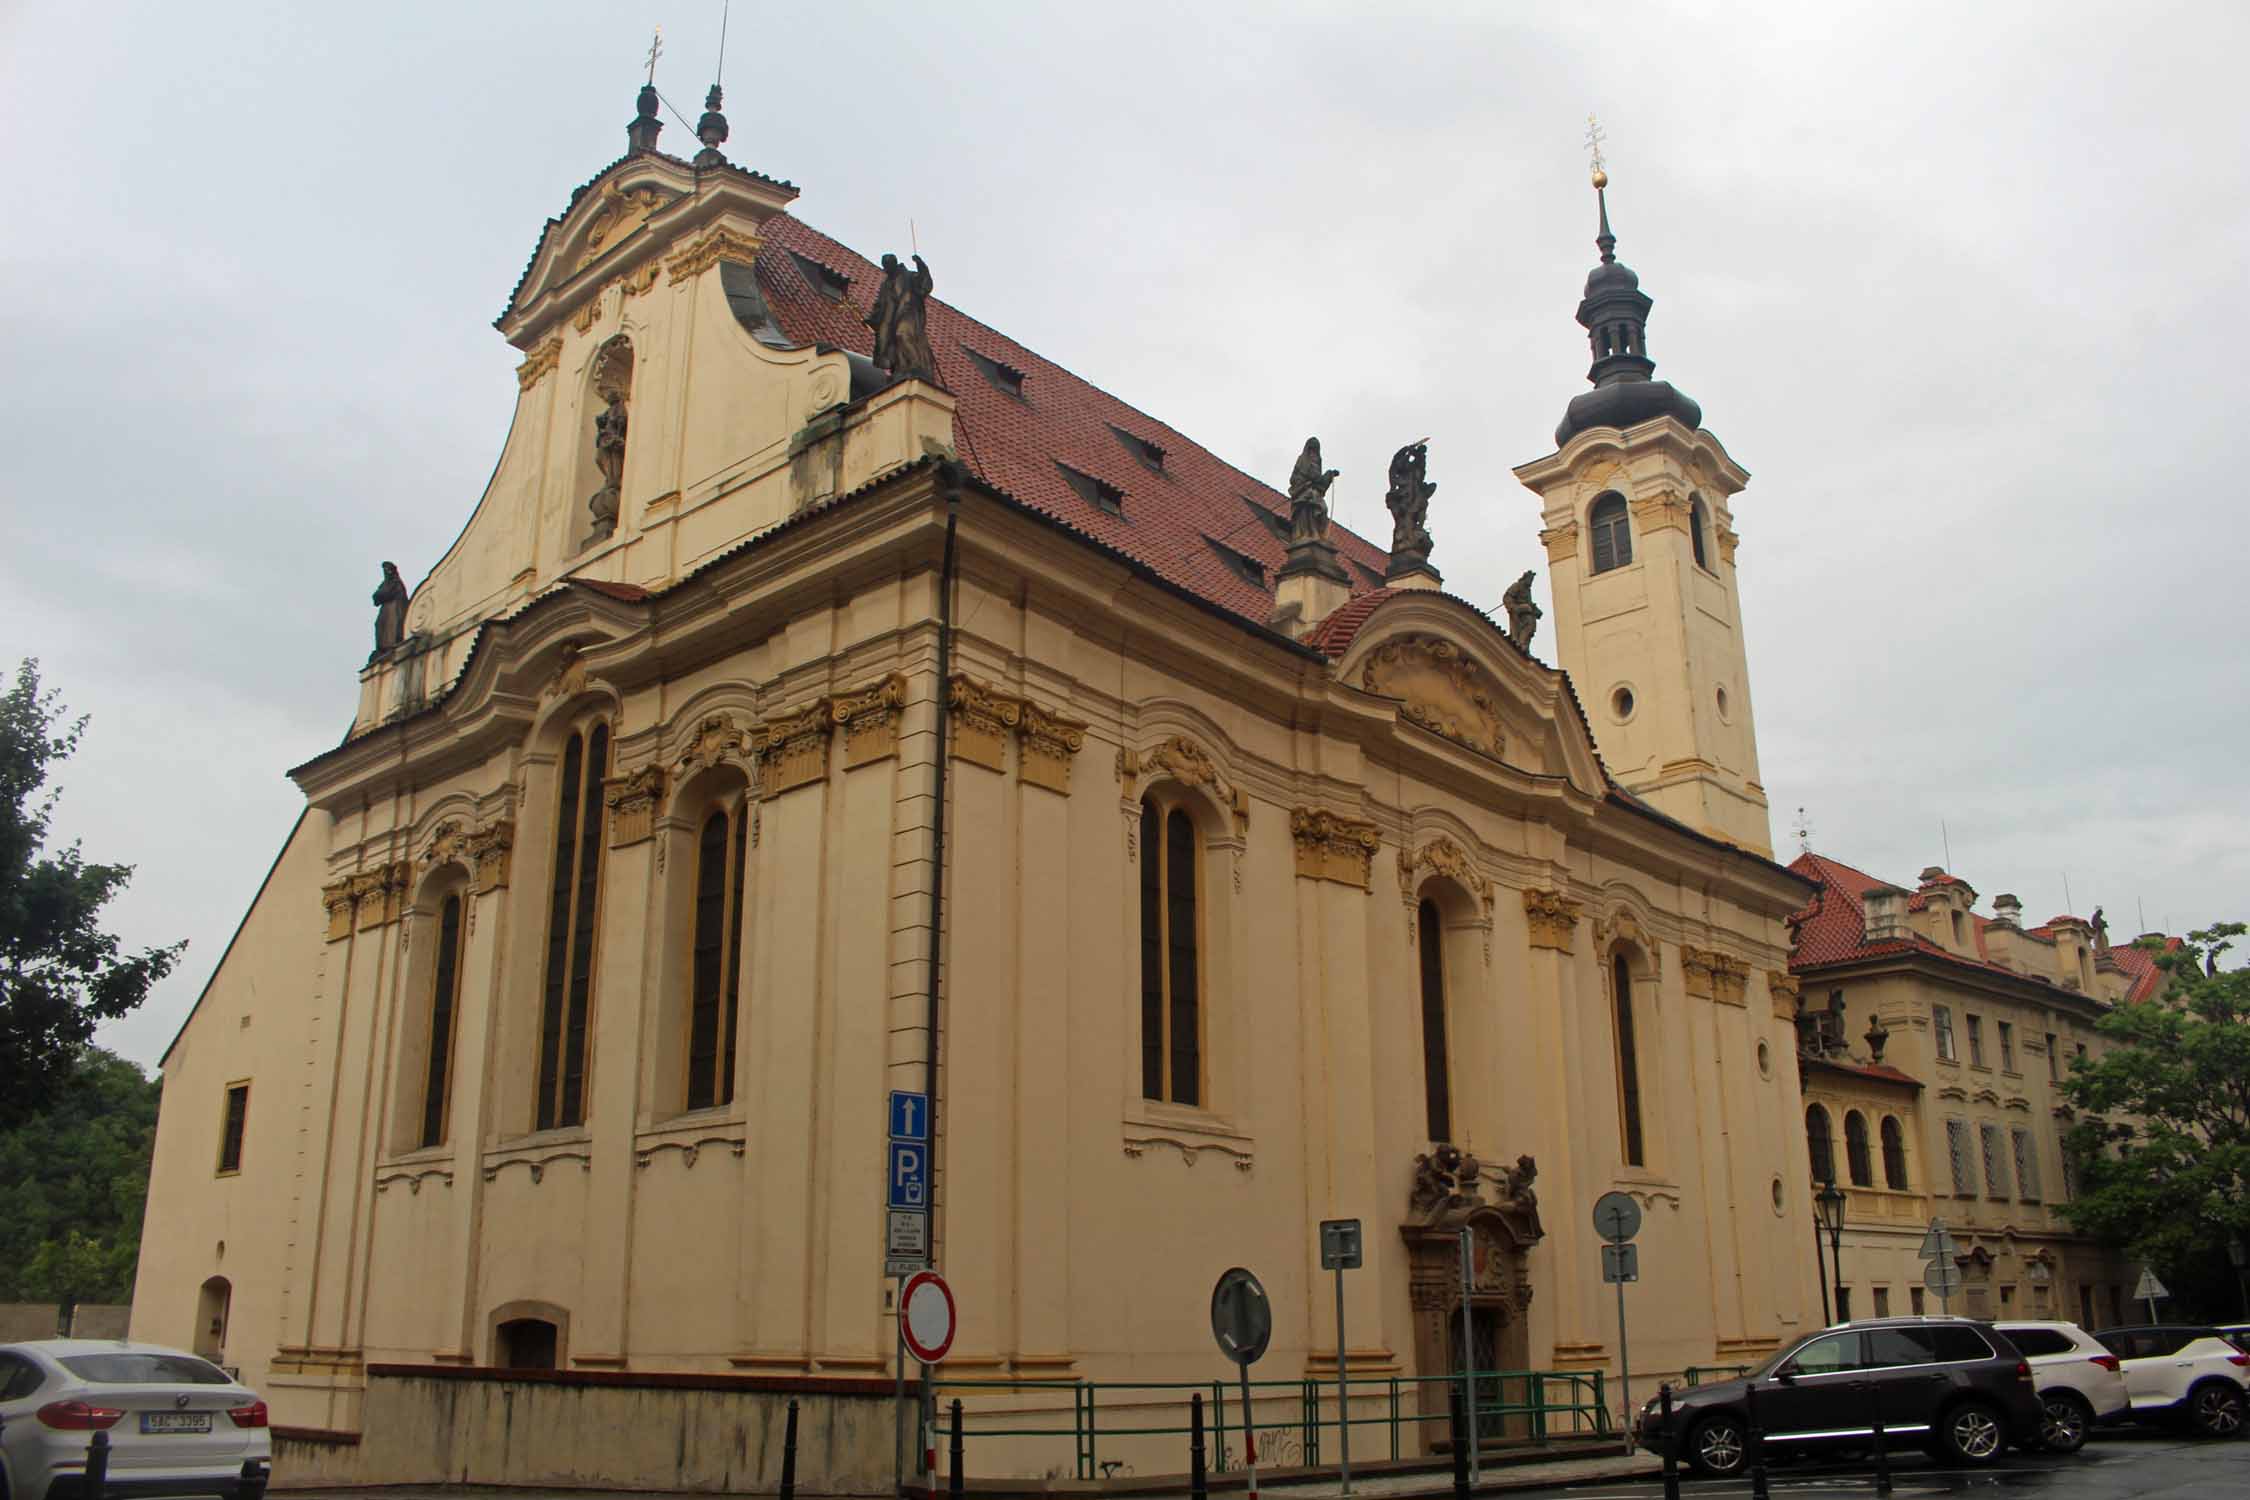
x: 1453, y: 1191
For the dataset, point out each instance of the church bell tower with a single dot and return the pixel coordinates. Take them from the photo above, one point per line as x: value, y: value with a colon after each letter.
x: 1640, y: 541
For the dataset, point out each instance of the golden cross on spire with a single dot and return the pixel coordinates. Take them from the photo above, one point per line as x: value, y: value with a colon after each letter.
x: 1594, y: 139
x: 655, y: 50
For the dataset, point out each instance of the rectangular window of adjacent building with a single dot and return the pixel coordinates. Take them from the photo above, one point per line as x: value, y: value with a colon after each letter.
x: 2054, y: 1060
x: 1914, y: 1300
x: 2085, y: 1307
x: 1882, y: 1302
x: 443, y: 992
x: 2007, y: 1047
x: 230, y: 1134
x: 1843, y: 1304
x: 1995, y: 1168
x: 1957, y: 1150
x: 1976, y: 1041
x: 1941, y: 1025
x: 2027, y: 1166
x: 563, y: 1011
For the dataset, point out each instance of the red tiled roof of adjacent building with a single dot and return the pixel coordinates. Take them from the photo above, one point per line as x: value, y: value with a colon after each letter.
x: 1881, y: 1072
x: 1182, y: 508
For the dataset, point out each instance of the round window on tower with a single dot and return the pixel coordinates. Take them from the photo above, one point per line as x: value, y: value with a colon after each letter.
x: 1722, y: 702
x: 1780, y: 1198
x: 1621, y: 704
x: 1765, y: 1060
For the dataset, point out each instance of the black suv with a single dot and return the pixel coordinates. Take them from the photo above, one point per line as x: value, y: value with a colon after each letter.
x: 1952, y: 1385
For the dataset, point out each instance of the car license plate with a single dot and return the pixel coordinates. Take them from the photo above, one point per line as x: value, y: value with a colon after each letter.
x: 175, y: 1421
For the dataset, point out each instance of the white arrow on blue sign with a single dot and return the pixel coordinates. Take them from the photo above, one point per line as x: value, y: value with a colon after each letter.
x: 910, y: 1116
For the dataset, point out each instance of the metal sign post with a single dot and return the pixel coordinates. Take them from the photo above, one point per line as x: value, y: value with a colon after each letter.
x: 1469, y: 1360
x: 1340, y: 1252
x: 2148, y: 1290
x: 1617, y: 1218
x: 906, y: 1230
x: 1943, y: 1277
x: 1242, y: 1322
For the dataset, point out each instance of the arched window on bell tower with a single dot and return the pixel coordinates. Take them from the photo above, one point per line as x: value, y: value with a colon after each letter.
x: 1698, y: 524
x: 1612, y: 535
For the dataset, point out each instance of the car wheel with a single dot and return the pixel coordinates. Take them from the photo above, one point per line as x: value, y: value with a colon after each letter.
x: 1717, y: 1447
x: 2064, y: 1421
x: 1971, y: 1433
x: 2216, y: 1410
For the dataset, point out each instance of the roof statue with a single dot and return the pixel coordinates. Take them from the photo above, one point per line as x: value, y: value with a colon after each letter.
x: 390, y: 610
x: 900, y: 320
x: 1523, y: 615
x: 1308, y: 495
x: 1409, y: 502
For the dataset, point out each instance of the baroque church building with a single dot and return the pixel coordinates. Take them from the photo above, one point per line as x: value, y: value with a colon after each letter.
x: 829, y: 696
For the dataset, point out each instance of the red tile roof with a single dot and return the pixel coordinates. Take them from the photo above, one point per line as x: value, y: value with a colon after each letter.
x: 1172, y: 511
x: 1882, y: 1072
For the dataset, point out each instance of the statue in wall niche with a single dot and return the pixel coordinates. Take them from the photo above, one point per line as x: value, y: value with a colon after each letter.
x: 1308, y: 495
x: 390, y: 611
x: 1409, y: 502
x: 613, y: 382
x: 1516, y: 1192
x: 900, y: 318
x: 1523, y: 615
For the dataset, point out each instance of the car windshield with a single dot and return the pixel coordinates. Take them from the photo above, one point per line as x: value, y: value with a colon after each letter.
x: 144, y: 1369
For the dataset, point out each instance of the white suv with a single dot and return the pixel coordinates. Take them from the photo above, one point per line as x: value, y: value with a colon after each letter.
x: 2194, y: 1372
x: 2078, y: 1379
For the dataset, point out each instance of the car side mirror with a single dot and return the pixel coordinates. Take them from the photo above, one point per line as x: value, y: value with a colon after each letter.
x: 1787, y: 1374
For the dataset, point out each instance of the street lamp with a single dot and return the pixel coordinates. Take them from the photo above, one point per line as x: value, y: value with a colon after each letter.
x: 1829, y: 1203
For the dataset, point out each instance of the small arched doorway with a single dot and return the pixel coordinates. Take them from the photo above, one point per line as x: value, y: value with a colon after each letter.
x: 1498, y: 1207
x: 213, y: 1305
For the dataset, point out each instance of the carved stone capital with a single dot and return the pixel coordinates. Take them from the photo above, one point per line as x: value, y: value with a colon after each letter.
x: 1712, y: 975
x: 983, y: 718
x: 538, y: 362
x: 1046, y: 745
x: 336, y: 896
x: 1729, y: 539
x: 490, y: 847
x: 1332, y: 847
x: 1664, y: 509
x: 720, y: 244
x: 1553, y: 919
x: 632, y: 800
x: 793, y: 749
x: 1561, y: 541
x: 1441, y: 856
x: 1439, y: 688
x: 377, y: 896
x: 1783, y: 988
x: 870, y: 719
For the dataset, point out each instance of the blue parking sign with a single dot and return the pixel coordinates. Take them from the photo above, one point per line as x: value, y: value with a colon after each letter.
x: 909, y: 1179
x: 910, y: 1116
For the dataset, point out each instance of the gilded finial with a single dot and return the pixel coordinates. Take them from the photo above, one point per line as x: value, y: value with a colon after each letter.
x: 1594, y: 139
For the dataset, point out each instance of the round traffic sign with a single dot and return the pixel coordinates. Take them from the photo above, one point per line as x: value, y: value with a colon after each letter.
x: 925, y: 1316
x: 1617, y: 1218
x: 1943, y: 1278
x: 1241, y: 1317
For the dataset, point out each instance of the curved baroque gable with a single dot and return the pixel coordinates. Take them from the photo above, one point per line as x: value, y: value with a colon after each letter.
x: 1442, y: 689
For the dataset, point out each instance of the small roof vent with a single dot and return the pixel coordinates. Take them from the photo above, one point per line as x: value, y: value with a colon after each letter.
x: 826, y: 280
x: 1148, y: 454
x: 1097, y: 492
x: 1277, y: 526
x: 1244, y: 566
x: 1002, y: 376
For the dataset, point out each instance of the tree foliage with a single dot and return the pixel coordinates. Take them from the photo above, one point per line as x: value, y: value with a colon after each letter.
x: 59, y: 972
x: 73, y: 1181
x: 2162, y: 1142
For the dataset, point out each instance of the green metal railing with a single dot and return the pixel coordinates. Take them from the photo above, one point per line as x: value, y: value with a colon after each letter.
x: 1694, y: 1375
x: 1289, y: 1417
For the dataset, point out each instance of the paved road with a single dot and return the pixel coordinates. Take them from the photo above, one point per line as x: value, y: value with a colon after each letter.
x: 2124, y: 1466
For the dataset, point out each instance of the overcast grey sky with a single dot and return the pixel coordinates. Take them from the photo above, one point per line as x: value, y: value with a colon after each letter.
x: 1960, y: 285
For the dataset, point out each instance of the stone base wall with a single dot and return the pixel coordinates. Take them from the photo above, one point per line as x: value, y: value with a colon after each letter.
x: 599, y: 1430
x: 21, y: 1322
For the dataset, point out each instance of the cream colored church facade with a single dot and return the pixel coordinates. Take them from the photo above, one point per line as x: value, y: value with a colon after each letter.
x: 551, y: 1058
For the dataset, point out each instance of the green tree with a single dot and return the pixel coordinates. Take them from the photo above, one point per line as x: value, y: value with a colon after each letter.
x: 2162, y: 1143
x: 59, y: 972
x: 73, y: 1181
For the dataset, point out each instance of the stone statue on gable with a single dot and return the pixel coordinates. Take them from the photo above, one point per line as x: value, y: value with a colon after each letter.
x: 1523, y: 615
x: 390, y: 611
x: 1308, y: 495
x: 1409, y: 502
x: 900, y: 320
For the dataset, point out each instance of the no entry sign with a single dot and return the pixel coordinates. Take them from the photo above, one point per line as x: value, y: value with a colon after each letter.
x: 925, y: 1316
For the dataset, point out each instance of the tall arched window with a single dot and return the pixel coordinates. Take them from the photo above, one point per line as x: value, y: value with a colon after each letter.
x: 1856, y: 1156
x: 1613, y: 539
x: 1697, y: 523
x: 1823, y: 1146
x: 1628, y: 1062
x: 445, y: 989
x: 715, y: 968
x: 1894, y: 1155
x: 1171, y: 984
x: 570, y: 929
x: 1437, y: 1091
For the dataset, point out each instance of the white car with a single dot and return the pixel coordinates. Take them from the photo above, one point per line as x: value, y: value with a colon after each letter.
x: 172, y: 1424
x: 2080, y: 1382
x: 2175, y: 1370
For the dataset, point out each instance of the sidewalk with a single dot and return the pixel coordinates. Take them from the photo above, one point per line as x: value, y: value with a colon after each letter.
x: 1384, y: 1482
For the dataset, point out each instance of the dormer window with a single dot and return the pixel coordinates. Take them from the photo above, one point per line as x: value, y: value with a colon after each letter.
x: 1244, y: 566
x: 1000, y: 375
x: 826, y: 280
x: 1099, y: 493
x: 1148, y: 454
x: 1277, y: 526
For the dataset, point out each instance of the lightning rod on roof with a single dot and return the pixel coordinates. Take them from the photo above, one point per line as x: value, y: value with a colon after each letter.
x: 1945, y: 840
x: 719, y: 74
x: 1803, y: 831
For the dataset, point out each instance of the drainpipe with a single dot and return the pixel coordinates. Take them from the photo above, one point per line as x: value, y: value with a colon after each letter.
x: 950, y: 477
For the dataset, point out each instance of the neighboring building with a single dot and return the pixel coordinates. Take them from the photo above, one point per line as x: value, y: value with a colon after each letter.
x: 559, y: 1035
x: 1933, y: 1043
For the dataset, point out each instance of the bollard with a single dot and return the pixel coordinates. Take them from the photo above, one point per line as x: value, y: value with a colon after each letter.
x: 1671, y: 1442
x: 1199, y: 1484
x: 1882, y: 1454
x: 956, y: 1449
x: 1460, y: 1443
x: 97, y: 1466
x: 1755, y: 1438
x: 789, y: 1453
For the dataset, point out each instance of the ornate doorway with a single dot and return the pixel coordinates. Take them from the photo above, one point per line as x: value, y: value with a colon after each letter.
x: 1453, y: 1192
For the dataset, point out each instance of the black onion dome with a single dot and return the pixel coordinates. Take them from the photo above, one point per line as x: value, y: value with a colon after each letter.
x: 1627, y: 404
x: 1614, y: 312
